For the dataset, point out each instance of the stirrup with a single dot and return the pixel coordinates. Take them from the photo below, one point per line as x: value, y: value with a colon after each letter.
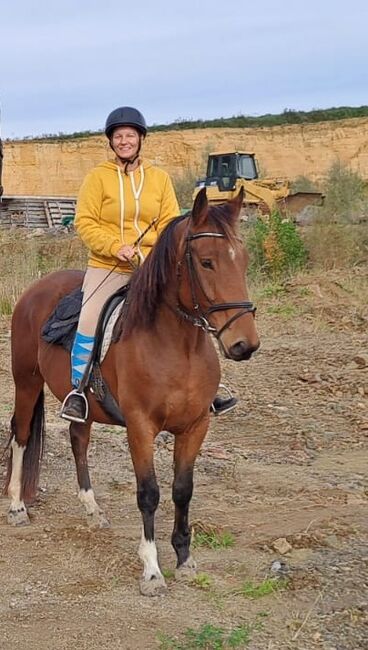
x: 222, y: 405
x: 77, y: 409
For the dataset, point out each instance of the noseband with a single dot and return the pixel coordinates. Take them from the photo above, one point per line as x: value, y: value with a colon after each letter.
x: 200, y: 318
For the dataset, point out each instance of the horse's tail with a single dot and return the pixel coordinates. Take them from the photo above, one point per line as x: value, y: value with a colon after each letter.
x: 33, y: 453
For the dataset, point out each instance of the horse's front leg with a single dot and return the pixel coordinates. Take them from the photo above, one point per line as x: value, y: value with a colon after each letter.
x: 79, y: 437
x: 187, y: 446
x: 141, y: 446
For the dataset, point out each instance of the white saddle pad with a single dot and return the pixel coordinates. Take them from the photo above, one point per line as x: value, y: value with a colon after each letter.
x: 109, y: 330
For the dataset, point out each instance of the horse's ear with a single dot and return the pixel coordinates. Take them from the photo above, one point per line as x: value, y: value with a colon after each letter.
x: 200, y: 207
x: 237, y: 202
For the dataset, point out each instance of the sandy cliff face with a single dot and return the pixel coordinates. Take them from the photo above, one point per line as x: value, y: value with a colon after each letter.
x: 57, y: 168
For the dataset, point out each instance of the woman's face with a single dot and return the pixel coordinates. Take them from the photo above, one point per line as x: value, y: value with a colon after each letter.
x: 125, y: 142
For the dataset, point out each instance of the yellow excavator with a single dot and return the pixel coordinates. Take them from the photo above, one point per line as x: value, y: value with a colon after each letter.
x: 228, y: 171
x: 1, y: 168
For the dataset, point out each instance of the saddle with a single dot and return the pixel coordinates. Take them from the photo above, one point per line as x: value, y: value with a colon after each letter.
x: 61, y: 327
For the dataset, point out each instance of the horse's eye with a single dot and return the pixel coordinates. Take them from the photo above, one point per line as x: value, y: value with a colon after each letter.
x: 207, y: 264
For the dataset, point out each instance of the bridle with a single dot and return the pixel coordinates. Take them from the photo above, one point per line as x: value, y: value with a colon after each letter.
x: 200, y: 318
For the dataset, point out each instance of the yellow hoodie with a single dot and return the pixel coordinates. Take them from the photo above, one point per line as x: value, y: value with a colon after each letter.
x: 114, y: 209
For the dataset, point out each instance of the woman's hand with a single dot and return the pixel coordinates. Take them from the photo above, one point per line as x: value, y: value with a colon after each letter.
x: 126, y: 252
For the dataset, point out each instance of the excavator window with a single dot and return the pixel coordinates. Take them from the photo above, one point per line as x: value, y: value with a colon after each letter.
x: 246, y: 167
x: 221, y: 171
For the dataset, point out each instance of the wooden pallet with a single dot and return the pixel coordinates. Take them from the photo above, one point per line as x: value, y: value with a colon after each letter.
x: 36, y: 211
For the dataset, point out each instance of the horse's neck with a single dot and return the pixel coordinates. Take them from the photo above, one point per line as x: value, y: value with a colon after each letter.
x: 171, y: 327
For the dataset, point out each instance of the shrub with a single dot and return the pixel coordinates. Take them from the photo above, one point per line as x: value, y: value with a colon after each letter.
x: 275, y: 246
x: 336, y: 238
x: 184, y: 185
x: 336, y: 245
x: 345, y: 197
x: 303, y: 184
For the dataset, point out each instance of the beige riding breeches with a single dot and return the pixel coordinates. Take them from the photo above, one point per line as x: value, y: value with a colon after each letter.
x: 98, y: 286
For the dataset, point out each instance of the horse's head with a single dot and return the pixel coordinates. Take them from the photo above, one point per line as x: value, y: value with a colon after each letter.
x: 215, y: 295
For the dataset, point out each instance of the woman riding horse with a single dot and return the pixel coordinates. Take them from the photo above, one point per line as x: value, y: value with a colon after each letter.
x: 163, y: 369
x: 119, y: 201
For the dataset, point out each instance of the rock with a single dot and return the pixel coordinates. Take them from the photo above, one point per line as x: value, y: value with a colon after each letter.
x: 361, y: 360
x: 310, y: 377
x: 279, y: 568
x: 282, y: 546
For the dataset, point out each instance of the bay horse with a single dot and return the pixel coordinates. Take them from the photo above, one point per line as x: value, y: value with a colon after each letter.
x: 163, y: 370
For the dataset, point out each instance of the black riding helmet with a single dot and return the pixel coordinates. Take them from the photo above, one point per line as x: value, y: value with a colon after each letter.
x: 125, y: 116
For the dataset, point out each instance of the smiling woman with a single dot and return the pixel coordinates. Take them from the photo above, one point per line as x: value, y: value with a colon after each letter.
x: 123, y: 206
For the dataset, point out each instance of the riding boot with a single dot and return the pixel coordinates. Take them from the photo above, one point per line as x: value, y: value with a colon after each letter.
x: 75, y: 405
x: 221, y: 405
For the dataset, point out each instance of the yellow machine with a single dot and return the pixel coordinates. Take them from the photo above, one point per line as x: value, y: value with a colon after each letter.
x: 1, y: 168
x: 228, y: 171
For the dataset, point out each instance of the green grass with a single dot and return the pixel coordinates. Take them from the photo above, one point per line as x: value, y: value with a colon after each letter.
x: 287, y: 311
x: 202, y: 581
x: 272, y: 290
x: 265, y: 588
x: 208, y: 637
x: 213, y: 539
x: 6, y: 306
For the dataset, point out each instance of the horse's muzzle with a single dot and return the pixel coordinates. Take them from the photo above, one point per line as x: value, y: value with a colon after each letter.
x: 241, y: 351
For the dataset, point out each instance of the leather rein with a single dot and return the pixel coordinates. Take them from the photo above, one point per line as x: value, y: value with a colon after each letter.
x: 200, y: 318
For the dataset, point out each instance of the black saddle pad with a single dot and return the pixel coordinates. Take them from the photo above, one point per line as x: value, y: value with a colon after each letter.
x: 61, y: 326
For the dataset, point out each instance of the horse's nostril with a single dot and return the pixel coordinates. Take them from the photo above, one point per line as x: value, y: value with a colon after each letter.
x: 240, y: 351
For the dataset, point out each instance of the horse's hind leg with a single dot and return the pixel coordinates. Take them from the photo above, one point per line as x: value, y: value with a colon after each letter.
x: 187, y: 446
x: 26, y: 443
x: 79, y: 437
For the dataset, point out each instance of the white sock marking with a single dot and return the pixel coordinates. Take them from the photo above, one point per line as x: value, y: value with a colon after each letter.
x: 15, y: 483
x: 148, y: 554
x: 87, y: 497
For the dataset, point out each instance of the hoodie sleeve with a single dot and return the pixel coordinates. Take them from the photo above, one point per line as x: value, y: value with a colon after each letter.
x: 169, y: 205
x: 88, y: 219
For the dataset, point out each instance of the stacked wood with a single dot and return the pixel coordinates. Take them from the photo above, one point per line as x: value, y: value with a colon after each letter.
x: 36, y: 211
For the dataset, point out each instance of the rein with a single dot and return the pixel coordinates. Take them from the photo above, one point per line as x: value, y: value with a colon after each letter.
x: 201, y: 317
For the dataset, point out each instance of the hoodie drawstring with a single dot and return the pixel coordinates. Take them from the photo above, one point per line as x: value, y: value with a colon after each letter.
x: 136, y: 193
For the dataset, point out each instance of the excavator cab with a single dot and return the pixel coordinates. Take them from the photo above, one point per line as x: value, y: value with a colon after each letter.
x: 223, y: 169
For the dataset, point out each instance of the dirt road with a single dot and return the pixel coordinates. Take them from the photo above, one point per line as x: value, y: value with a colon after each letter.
x: 290, y: 462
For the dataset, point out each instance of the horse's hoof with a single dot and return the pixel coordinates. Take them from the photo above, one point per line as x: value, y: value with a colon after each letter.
x: 98, y: 520
x: 18, y: 517
x: 186, y: 571
x: 156, y: 586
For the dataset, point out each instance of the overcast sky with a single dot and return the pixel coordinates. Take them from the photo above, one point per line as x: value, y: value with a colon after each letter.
x: 66, y: 64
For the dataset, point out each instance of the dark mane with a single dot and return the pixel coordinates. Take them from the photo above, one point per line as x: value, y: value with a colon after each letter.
x: 148, y: 283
